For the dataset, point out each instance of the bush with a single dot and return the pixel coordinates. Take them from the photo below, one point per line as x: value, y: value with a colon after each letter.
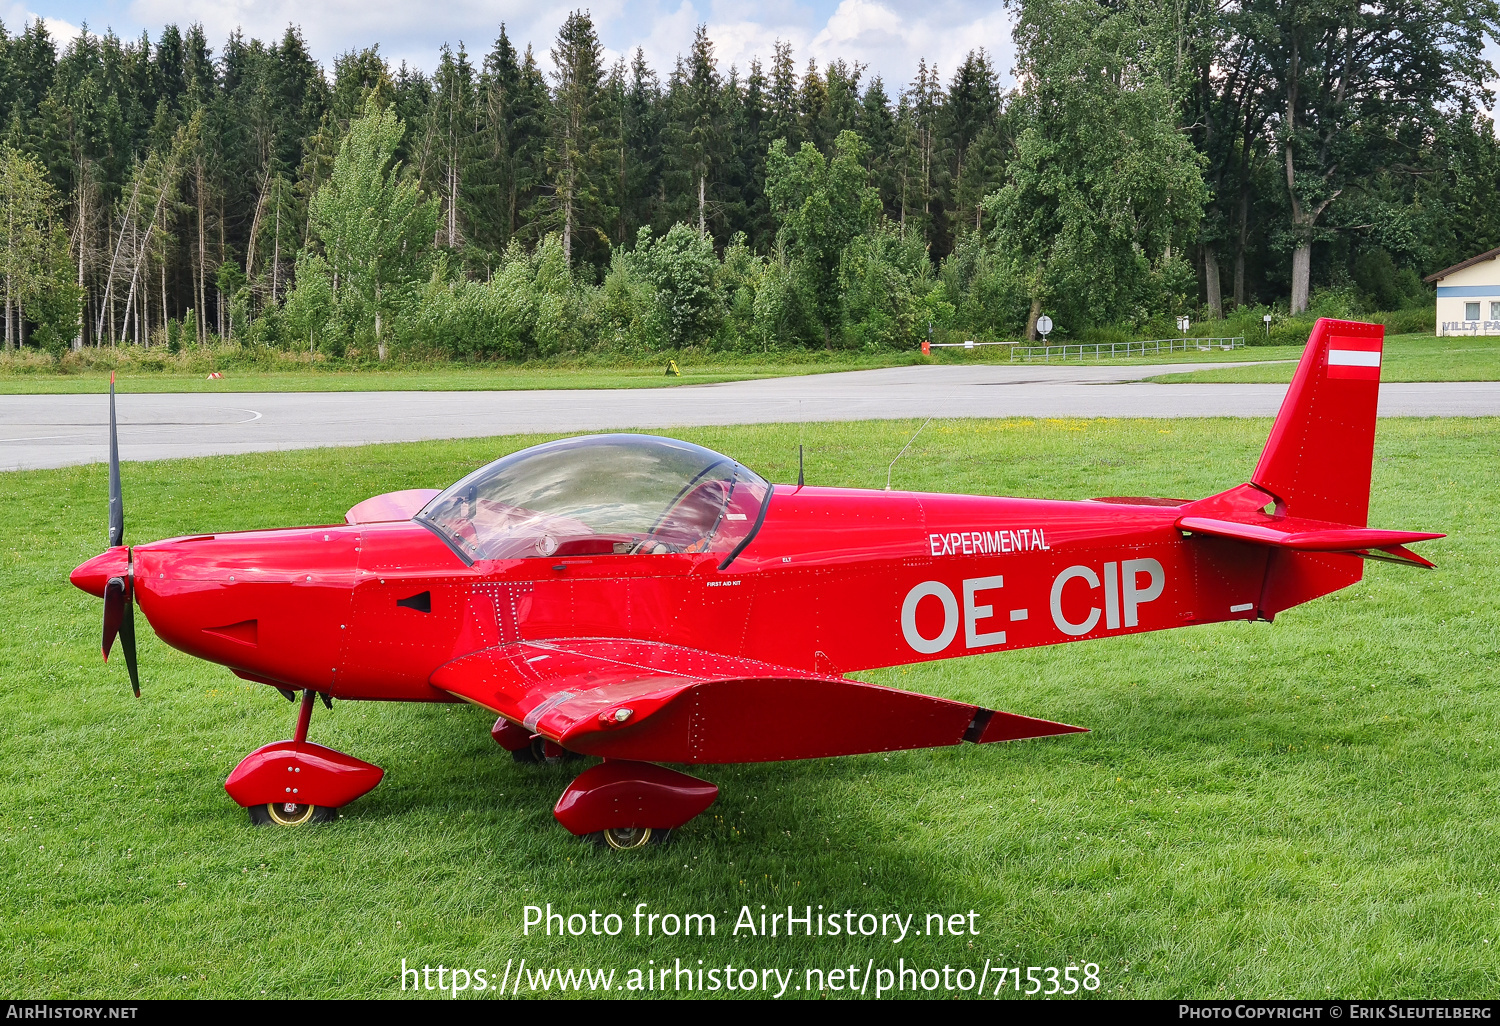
x: 492, y: 319
x: 309, y: 308
x: 739, y: 278
x: 1341, y: 302
x: 990, y: 294
x: 620, y: 314
x: 683, y: 269
x: 1386, y: 286
x: 29, y: 361
x: 1290, y: 332
x: 557, y: 307
x: 1106, y: 336
x: 1421, y: 320
x: 889, y: 294
x: 785, y: 314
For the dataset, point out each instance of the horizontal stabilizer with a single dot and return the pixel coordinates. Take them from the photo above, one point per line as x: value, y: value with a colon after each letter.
x: 1299, y: 534
x: 664, y: 703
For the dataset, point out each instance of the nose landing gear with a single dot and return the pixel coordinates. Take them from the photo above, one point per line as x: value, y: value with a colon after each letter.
x: 293, y: 783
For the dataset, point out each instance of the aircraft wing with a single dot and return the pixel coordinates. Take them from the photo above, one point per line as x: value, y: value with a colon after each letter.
x: 644, y: 700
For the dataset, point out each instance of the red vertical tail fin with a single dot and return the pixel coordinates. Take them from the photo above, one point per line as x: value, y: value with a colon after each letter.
x: 1317, y: 461
x: 1309, y: 498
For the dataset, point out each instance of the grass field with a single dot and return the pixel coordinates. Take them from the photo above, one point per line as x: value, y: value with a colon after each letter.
x: 433, y: 379
x: 542, y: 375
x: 1407, y: 358
x: 1299, y: 809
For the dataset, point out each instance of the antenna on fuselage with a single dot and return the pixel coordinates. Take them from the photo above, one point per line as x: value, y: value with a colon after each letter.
x: 903, y: 453
x: 799, y: 464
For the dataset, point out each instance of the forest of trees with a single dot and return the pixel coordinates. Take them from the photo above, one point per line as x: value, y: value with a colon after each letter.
x: 1154, y: 159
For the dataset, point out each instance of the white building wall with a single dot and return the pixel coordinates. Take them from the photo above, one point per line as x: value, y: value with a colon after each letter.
x: 1474, y: 290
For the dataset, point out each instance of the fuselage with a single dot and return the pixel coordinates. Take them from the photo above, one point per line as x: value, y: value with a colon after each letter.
x: 833, y: 581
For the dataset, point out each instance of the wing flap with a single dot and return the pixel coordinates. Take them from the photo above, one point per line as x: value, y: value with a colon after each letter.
x: 664, y: 703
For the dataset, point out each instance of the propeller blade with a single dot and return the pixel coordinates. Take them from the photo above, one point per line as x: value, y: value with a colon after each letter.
x: 116, y: 502
x: 114, y: 611
x: 127, y: 642
x: 119, y: 597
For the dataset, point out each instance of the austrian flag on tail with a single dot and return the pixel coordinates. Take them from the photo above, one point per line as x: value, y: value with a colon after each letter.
x: 1354, y: 357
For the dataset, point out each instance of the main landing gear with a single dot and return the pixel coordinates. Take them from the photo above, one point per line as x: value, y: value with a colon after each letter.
x: 293, y: 783
x: 526, y: 748
x: 622, y: 804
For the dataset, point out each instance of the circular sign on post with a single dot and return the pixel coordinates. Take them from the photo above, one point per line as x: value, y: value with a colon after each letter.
x: 1044, y: 325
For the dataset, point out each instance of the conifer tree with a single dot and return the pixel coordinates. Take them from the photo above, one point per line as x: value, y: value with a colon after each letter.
x: 969, y: 110
x: 639, y: 156
x: 751, y: 143
x: 575, y: 151
x: 812, y: 107
x: 783, y: 120
x: 877, y: 127
x: 695, y: 132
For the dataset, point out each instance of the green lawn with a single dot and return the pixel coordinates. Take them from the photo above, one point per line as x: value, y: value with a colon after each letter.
x: 457, y: 378
x: 1305, y: 808
x: 1407, y: 358
x: 471, y: 377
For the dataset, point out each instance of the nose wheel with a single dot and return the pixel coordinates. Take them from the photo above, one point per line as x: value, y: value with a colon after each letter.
x: 294, y: 783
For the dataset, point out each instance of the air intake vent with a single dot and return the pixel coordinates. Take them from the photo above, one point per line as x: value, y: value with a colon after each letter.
x: 421, y: 602
x: 245, y: 632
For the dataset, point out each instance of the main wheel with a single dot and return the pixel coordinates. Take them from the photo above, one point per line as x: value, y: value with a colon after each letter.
x: 627, y: 838
x: 536, y: 753
x: 290, y: 814
x: 630, y: 838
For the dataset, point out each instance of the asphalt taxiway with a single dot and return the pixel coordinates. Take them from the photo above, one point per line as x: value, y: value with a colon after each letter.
x: 38, y: 431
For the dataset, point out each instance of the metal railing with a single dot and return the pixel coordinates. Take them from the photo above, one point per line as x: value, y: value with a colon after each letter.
x: 1025, y: 351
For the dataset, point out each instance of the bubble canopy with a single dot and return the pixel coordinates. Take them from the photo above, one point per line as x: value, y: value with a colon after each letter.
x: 601, y: 495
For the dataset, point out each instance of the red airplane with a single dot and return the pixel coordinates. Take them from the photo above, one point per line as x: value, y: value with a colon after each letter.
x: 646, y: 600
